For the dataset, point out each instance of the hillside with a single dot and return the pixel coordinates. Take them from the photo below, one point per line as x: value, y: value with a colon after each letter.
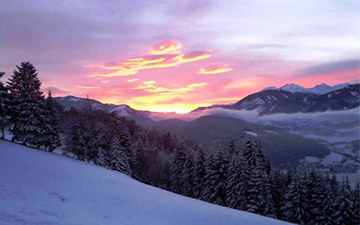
x: 38, y: 187
x: 281, y: 147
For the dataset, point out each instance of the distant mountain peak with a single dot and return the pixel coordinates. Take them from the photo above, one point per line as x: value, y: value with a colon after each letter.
x: 319, y: 89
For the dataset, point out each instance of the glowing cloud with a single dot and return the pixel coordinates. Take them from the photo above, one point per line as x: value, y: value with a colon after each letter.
x: 150, y: 87
x: 193, y: 56
x: 133, y: 80
x: 163, y: 57
x: 166, y: 47
x: 87, y: 87
x: 214, y: 69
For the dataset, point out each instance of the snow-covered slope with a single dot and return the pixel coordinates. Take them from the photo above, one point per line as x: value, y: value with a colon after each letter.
x: 38, y: 187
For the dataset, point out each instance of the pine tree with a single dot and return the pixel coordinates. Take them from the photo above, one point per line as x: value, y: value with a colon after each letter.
x: 356, y: 201
x: 139, y: 161
x: 119, y: 160
x: 296, y: 208
x: 216, y: 180
x: 316, y: 198
x: 334, y: 185
x: 120, y: 130
x: 237, y: 184
x: 271, y: 203
x: 4, y: 108
x: 29, y: 113
x: 209, y: 188
x: 52, y: 120
x: 199, y: 174
x: 176, y: 168
x: 256, y: 191
x: 255, y: 157
x: 328, y: 203
x: 344, y: 214
x: 77, y: 140
x: 188, y: 176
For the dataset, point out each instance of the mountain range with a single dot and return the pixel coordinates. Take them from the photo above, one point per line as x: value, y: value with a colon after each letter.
x: 294, y: 99
x: 293, y: 123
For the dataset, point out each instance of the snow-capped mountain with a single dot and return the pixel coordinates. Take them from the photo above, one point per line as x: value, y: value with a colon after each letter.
x: 122, y: 110
x: 293, y: 99
x: 319, y: 89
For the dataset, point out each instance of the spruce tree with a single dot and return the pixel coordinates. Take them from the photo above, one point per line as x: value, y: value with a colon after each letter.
x: 237, y: 184
x: 139, y: 161
x: 328, y: 203
x: 296, y: 206
x: 316, y: 199
x: 209, y: 188
x: 216, y: 181
x: 256, y: 191
x: 255, y: 157
x: 344, y: 214
x: 176, y: 167
x: 199, y: 174
x: 77, y: 140
x: 356, y: 203
x: 29, y: 113
x: 52, y: 131
x: 4, y: 108
x: 119, y: 159
x: 188, y: 175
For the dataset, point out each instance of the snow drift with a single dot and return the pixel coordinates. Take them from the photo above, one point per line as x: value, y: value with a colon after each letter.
x: 38, y: 187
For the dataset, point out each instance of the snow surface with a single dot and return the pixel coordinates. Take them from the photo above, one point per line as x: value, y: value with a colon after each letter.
x: 38, y: 187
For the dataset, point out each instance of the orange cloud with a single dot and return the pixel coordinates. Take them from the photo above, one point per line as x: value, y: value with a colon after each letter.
x: 150, y: 86
x: 131, y: 66
x: 133, y: 80
x: 87, y: 87
x: 193, y: 56
x: 214, y: 69
x: 166, y: 47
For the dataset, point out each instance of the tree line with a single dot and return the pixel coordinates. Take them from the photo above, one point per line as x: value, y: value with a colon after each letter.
x: 239, y: 177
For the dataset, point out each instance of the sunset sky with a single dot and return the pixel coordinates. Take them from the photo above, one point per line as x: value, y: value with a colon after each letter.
x: 179, y: 55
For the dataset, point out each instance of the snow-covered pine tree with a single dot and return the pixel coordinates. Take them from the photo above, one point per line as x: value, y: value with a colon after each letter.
x: 237, y: 184
x: 188, y: 175
x: 118, y: 128
x: 209, y: 188
x: 77, y: 140
x: 334, y: 185
x: 102, y: 158
x: 316, y: 196
x: 296, y: 208
x: 52, y: 131
x: 199, y: 174
x: 356, y: 200
x: 231, y: 147
x: 216, y: 180
x: 255, y: 157
x: 98, y: 147
x: 256, y: 191
x: 344, y: 206
x: 271, y: 196
x: 4, y: 107
x: 139, y: 161
x: 176, y: 168
x: 119, y: 159
x: 29, y: 113
x: 328, y: 202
